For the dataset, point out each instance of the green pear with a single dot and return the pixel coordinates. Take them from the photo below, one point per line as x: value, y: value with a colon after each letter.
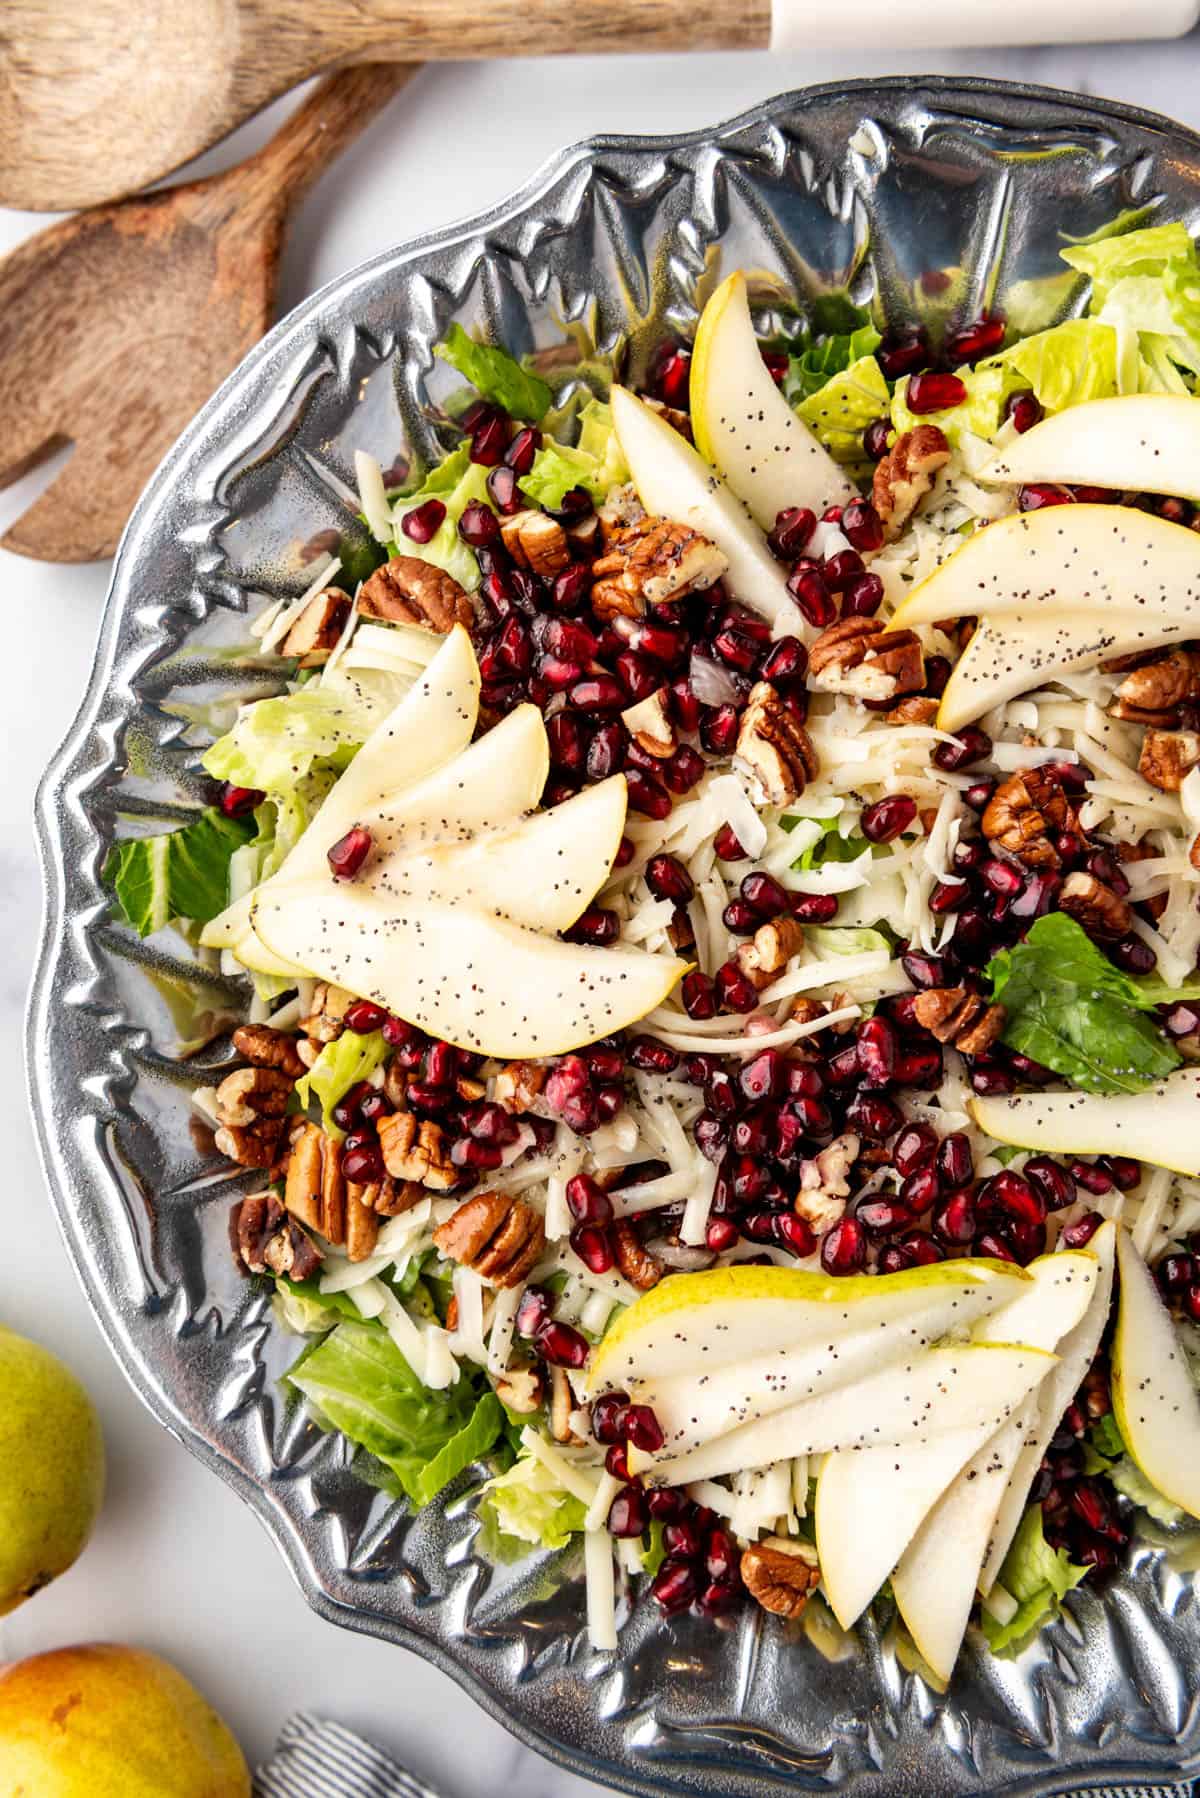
x: 107, y: 1720
x: 51, y: 1468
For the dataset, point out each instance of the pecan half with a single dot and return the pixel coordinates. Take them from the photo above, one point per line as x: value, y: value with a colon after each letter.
x: 1168, y: 757
x: 265, y: 1240
x: 316, y: 631
x: 500, y: 1236
x: 634, y: 1261
x: 250, y: 1094
x: 955, y: 1015
x: 390, y: 1197
x: 317, y: 1192
x: 859, y: 656
x: 775, y: 747
x: 1160, y: 686
x: 251, y: 1145
x: 325, y: 1022
x: 1023, y: 811
x: 905, y: 475
x: 1101, y: 912
x: 518, y: 1085
x: 521, y: 1388
x: 415, y: 1149
x: 407, y: 590
x: 825, y: 1183
x: 651, y: 561
x: 769, y: 950
x: 537, y: 542
x: 267, y: 1048
x: 918, y: 708
x: 781, y: 1574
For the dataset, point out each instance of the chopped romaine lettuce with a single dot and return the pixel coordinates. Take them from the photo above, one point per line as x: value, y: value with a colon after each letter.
x: 980, y: 413
x: 527, y: 1502
x: 1129, y: 1480
x: 1064, y: 366
x: 178, y: 874
x: 1038, y: 1577
x: 831, y: 939
x: 1071, y: 1009
x: 301, y: 1306
x: 358, y: 1382
x: 594, y: 463
x: 840, y: 411
x: 494, y: 374
x: 822, y: 357
x: 830, y: 846
x: 456, y: 481
x: 1113, y: 259
x: 275, y: 742
x: 340, y: 1065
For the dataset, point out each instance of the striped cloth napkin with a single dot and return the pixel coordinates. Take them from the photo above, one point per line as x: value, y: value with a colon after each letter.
x: 315, y: 1759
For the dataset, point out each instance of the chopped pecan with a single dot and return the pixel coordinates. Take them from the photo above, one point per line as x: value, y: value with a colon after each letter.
x: 1023, y: 811
x: 562, y: 1403
x: 500, y: 1236
x: 678, y: 421
x: 860, y: 657
x: 390, y: 1197
x: 305, y: 1173
x: 521, y: 1388
x: 680, y: 934
x: 781, y: 1574
x: 325, y: 1022
x: 316, y: 631
x: 415, y: 1149
x: 267, y: 1048
x: 249, y: 1095
x: 1159, y: 688
x: 905, y: 475
x: 769, y: 950
x: 251, y: 1145
x: 395, y: 1084
x: 317, y: 1192
x: 775, y: 746
x: 266, y: 1240
x: 407, y: 590
x: 585, y: 537
x: 362, y: 1224
x: 825, y: 1183
x: 1168, y: 757
x: 955, y: 1015
x: 634, y: 1261
x: 1093, y: 905
x: 649, y: 726
x: 918, y: 708
x: 651, y: 561
x: 519, y: 1084
x: 537, y: 542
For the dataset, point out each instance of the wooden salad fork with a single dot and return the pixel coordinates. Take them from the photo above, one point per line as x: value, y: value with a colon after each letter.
x: 118, y: 324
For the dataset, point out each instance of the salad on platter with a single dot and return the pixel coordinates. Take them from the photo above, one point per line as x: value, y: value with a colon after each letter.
x: 718, y: 895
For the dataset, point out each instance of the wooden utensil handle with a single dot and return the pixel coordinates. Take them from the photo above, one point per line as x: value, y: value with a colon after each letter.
x: 339, y: 108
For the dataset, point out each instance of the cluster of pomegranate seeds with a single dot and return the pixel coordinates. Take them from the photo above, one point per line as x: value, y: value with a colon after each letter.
x: 1079, y: 1513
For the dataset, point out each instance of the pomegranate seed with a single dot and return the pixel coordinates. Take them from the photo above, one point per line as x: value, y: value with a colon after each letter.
x: 667, y: 1503
x: 627, y: 1515
x: 587, y: 1201
x: 974, y: 341
x: 1125, y: 1172
x: 616, y: 1462
x: 609, y: 1100
x: 842, y: 569
x: 1052, y: 1181
x: 1191, y: 1303
x: 920, y: 1068
x: 596, y: 925
x: 948, y: 896
x: 955, y: 1164
x: 667, y: 878
x: 561, y: 1345
x: 534, y: 1311
x: 914, y: 1148
x: 504, y: 493
x: 565, y: 737
x: 1002, y: 878
x: 735, y: 990
x: 641, y: 1427
x: 720, y: 1235
x: 740, y: 918
x: 483, y: 1157
x: 923, y: 1249
x: 521, y: 451
x: 638, y: 677
x: 652, y: 1057
x: 672, y: 375
x: 1012, y: 1193
x: 608, y: 1412
x: 684, y: 769
x: 571, y: 588
x: 920, y: 1190
x: 238, y: 802
x: 972, y: 745
x: 1025, y: 410
x: 362, y: 1165
x: 894, y: 1259
x: 808, y: 587
x: 719, y: 729
x: 722, y: 1095
x: 347, y: 1111
x: 930, y: 392
x: 924, y: 971
x: 876, y: 437
x: 794, y: 1234
x: 881, y: 1217
x: 606, y: 753
x: 647, y: 795
x: 887, y: 818
x: 901, y: 355
x: 876, y: 1040
x: 787, y: 660
x: 682, y: 1539
x: 1036, y: 494
x: 593, y: 1247
x: 424, y: 522
x: 674, y: 1586
x: 683, y: 705
x: 862, y: 525
x: 792, y: 530
x: 720, y: 1555
x: 1040, y: 892
x: 363, y: 1017
x: 349, y: 853
x: 991, y: 1082
x: 698, y: 994
x: 978, y: 794
x: 597, y: 693
x: 814, y: 908
x: 763, y: 1077
x: 737, y: 650
x: 873, y: 1116
x: 1175, y: 1272
x: 764, y: 895
x: 1092, y: 1177
x: 844, y: 1248
x: 954, y: 1220
x: 862, y: 597
x: 1133, y: 955
x: 992, y: 1247
x: 604, y: 1062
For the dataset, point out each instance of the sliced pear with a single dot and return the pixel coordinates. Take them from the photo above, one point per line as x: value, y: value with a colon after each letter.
x: 672, y: 481
x: 541, y: 872
x: 1016, y: 651
x: 1154, y: 1396
x: 734, y: 1314
x: 1135, y: 443
x: 476, y: 981
x: 695, y: 1408
x: 1076, y: 1353
x: 1090, y: 558
x: 1160, y: 1125
x: 743, y: 425
x: 974, y: 1383
x: 934, y: 1582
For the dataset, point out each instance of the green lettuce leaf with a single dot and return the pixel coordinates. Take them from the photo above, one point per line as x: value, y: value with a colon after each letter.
x: 456, y: 481
x: 830, y: 846
x: 358, y: 1382
x: 340, y: 1065
x: 1114, y: 259
x: 840, y: 410
x: 981, y: 413
x: 495, y: 375
x: 1069, y: 363
x: 527, y: 1502
x: 1071, y: 1009
x: 594, y: 463
x: 1106, y: 1438
x: 1038, y: 1577
x: 847, y: 939
x: 301, y: 1306
x: 178, y: 874
x: 826, y: 356
x: 275, y: 742
x: 1129, y: 1480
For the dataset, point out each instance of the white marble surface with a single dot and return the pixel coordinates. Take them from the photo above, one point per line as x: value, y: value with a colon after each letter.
x: 177, y: 1563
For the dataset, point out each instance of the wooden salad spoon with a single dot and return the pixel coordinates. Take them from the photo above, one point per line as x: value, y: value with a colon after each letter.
x: 118, y: 324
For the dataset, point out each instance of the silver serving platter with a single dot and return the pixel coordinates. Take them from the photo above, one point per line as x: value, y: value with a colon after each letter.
x: 941, y: 198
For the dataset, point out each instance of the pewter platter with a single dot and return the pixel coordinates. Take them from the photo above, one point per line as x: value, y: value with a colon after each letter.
x: 938, y: 199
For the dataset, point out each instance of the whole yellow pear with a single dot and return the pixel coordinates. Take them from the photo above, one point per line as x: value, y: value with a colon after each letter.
x: 103, y: 1721
x: 51, y: 1468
